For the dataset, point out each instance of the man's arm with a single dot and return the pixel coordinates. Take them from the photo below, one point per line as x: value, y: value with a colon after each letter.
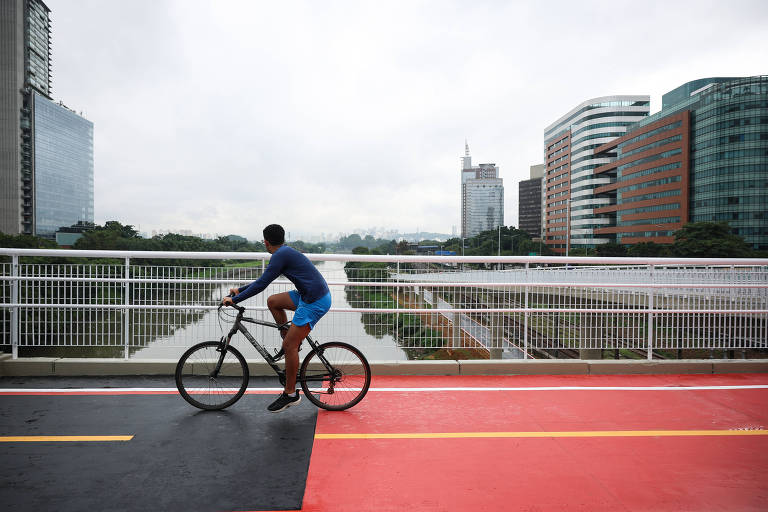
x: 273, y: 270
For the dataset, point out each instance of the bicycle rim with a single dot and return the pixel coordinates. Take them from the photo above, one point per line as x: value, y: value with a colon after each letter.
x: 197, y: 384
x: 341, y: 387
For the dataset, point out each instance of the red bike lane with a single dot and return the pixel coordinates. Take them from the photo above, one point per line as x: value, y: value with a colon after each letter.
x: 546, y: 443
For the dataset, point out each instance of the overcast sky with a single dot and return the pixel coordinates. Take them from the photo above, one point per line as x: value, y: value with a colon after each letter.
x: 224, y: 116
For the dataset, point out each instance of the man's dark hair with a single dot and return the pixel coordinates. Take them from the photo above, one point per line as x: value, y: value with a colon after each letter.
x: 274, y: 234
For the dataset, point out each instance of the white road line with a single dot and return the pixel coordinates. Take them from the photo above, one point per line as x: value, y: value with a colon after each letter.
x: 402, y: 390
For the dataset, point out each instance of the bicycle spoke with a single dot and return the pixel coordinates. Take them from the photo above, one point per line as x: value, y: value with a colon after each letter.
x: 202, y: 389
x: 343, y: 384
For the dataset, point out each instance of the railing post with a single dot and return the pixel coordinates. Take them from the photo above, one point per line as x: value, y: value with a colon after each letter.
x: 527, y: 313
x: 126, y: 302
x: 15, y: 309
x: 650, y: 316
x: 397, y: 304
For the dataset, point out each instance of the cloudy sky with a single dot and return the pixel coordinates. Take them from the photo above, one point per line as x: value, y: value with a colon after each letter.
x: 327, y: 116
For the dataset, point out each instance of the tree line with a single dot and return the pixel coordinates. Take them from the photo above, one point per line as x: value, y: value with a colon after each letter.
x: 694, y: 240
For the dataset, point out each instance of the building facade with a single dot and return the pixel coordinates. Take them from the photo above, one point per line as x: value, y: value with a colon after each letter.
x: 702, y: 158
x: 648, y: 193
x: 571, y: 218
x: 25, y: 83
x: 482, y: 197
x: 530, y: 202
x: 63, y: 155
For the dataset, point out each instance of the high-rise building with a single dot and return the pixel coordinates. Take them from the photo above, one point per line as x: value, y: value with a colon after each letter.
x: 482, y: 197
x: 571, y: 205
x: 63, y: 145
x: 703, y: 157
x: 530, y: 201
x: 46, y: 150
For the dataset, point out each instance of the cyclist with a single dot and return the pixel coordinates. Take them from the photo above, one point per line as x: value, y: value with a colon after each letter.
x: 310, y: 301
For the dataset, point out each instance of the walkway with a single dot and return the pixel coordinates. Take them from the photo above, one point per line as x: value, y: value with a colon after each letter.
x: 536, y: 443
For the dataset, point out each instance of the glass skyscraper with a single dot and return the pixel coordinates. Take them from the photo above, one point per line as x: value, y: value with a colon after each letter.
x: 729, y: 157
x: 63, y: 167
x: 46, y: 151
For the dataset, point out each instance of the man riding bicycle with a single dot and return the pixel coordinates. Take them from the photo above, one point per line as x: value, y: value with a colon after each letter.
x: 310, y: 301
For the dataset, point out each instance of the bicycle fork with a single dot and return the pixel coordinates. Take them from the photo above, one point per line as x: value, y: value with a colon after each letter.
x: 222, y: 350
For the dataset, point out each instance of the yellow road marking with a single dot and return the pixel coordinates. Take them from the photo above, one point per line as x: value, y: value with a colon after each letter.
x: 47, y: 439
x: 593, y: 433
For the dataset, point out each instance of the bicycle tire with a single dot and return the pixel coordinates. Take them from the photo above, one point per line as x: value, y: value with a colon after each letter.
x: 199, y: 388
x: 353, y: 375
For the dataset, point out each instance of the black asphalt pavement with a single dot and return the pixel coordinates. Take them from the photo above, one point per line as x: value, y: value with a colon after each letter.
x: 180, y: 458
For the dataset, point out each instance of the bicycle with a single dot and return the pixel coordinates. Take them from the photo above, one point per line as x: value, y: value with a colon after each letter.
x: 213, y: 375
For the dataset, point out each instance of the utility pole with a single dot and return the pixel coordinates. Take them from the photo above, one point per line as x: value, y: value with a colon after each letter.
x: 567, y: 226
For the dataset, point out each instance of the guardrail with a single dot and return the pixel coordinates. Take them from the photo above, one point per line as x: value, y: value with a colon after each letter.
x: 107, y: 303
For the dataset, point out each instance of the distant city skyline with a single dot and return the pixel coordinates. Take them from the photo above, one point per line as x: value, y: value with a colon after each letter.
x: 382, y: 234
x: 210, y: 119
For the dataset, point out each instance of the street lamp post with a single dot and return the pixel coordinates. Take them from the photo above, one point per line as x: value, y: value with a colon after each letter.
x: 513, y: 241
x: 567, y: 226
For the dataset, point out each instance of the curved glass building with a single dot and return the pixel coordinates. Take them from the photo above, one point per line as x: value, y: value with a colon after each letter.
x: 729, y: 157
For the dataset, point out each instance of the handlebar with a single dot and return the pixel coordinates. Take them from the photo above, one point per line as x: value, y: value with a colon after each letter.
x: 241, y: 309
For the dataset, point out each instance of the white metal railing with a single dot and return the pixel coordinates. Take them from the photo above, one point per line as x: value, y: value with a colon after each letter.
x: 104, y: 303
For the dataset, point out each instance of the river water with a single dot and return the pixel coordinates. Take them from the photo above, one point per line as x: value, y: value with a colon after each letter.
x: 335, y: 326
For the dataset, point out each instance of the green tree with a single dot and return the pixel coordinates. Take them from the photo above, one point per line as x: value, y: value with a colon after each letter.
x: 649, y: 250
x: 709, y: 240
x: 389, y: 247
x: 402, y: 248
x: 611, y: 249
x: 112, y: 236
x: 26, y: 242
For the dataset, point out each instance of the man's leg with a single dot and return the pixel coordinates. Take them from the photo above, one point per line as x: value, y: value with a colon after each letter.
x: 277, y: 305
x: 296, y: 334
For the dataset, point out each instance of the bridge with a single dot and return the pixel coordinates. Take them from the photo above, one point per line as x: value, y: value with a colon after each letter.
x: 133, y: 304
x: 513, y: 383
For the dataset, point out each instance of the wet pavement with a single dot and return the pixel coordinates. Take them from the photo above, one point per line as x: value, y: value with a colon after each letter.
x: 443, y: 443
x: 179, y: 458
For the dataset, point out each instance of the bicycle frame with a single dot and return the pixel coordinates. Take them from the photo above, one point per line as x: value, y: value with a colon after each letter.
x: 238, y: 326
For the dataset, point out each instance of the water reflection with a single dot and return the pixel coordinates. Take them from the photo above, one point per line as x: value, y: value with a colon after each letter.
x: 335, y: 326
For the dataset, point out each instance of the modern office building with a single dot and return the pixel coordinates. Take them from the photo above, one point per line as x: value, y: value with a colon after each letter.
x: 530, y: 202
x: 570, y: 180
x: 648, y: 193
x: 703, y: 157
x: 482, y: 197
x: 63, y: 149
x: 25, y: 150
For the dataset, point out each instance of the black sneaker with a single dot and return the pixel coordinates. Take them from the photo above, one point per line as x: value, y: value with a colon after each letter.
x: 283, y: 402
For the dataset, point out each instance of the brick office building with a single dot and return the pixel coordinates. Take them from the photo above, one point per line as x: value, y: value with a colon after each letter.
x: 702, y: 158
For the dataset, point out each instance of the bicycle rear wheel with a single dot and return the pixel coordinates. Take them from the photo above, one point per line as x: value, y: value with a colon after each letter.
x: 335, y: 376
x: 200, y: 383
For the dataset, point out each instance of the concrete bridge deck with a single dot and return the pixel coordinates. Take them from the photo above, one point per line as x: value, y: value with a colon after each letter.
x: 448, y: 443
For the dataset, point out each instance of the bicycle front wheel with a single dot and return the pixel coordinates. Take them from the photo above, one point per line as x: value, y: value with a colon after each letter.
x: 335, y: 376
x: 210, y: 379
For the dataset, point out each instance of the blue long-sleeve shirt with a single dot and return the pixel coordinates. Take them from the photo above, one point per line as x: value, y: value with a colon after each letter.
x: 297, y: 268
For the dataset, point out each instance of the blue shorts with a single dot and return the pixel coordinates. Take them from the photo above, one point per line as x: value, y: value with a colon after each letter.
x: 309, y: 313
